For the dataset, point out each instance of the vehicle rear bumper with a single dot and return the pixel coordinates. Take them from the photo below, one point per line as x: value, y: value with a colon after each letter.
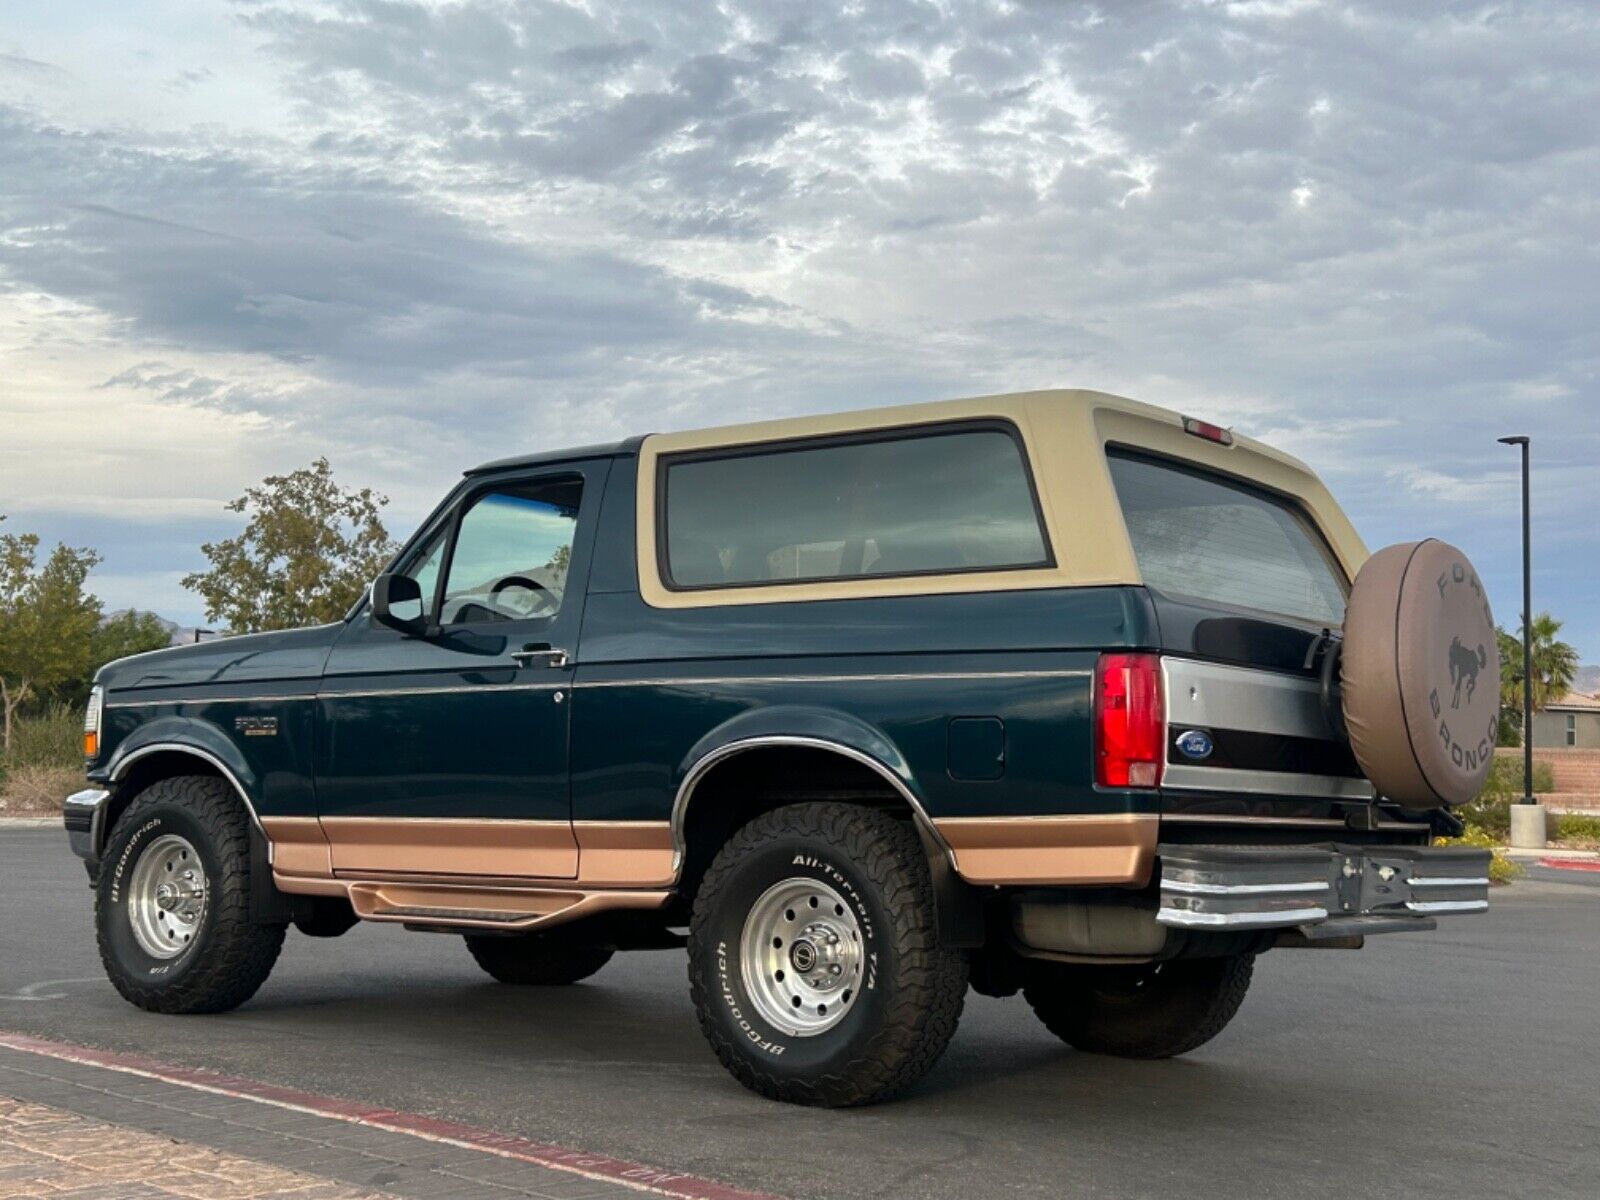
x: 82, y: 814
x: 1323, y: 890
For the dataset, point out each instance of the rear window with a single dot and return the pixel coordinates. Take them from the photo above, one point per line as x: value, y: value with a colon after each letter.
x: 933, y: 502
x: 1203, y: 537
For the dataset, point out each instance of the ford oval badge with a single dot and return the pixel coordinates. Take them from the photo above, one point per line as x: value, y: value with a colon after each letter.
x: 1195, y: 744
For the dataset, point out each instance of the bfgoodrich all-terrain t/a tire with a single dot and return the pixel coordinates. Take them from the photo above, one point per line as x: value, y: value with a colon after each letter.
x: 1154, y: 1010
x: 172, y: 903
x: 814, y: 957
x: 540, y: 959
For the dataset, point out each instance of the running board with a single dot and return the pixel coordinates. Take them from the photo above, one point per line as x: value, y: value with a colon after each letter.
x: 503, y: 908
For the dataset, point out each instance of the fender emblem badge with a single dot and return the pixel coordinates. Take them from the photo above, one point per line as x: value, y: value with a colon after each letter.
x: 256, y: 726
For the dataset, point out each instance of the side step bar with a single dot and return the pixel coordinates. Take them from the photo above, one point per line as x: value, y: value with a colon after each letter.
x: 503, y: 908
x: 1273, y: 887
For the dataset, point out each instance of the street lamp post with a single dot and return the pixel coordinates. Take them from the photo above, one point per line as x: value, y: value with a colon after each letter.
x: 1532, y: 819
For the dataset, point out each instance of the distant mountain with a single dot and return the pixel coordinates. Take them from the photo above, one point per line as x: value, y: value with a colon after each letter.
x: 182, y: 635
x: 1587, y: 680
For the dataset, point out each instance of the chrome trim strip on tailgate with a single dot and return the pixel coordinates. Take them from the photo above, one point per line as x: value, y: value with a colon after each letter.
x: 1279, y: 783
x: 1212, y: 695
x: 1208, y: 695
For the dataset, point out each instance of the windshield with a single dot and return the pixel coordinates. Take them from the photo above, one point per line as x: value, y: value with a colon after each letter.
x: 1205, y: 537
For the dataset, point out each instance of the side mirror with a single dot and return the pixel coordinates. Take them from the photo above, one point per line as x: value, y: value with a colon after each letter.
x: 397, y: 603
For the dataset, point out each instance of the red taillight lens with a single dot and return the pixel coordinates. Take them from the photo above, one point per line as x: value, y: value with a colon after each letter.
x: 1130, y: 721
x: 1205, y: 429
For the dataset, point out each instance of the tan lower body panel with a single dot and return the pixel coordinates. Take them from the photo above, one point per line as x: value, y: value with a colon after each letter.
x: 1114, y: 849
x: 472, y: 874
x: 299, y: 847
x: 625, y: 853
x: 436, y: 846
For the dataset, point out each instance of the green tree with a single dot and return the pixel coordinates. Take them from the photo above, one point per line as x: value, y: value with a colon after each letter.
x: 1555, y: 664
x: 130, y: 632
x: 46, y: 621
x: 305, y: 556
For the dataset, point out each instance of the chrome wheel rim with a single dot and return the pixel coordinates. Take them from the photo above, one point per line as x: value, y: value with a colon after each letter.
x: 800, y: 957
x: 167, y: 897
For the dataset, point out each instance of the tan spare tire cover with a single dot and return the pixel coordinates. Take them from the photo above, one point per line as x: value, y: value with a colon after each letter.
x: 1421, y: 675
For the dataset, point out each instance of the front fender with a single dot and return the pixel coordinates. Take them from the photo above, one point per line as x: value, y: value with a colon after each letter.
x: 191, y: 735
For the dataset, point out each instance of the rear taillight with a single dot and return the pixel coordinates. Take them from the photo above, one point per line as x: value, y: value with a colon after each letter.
x: 1130, y: 724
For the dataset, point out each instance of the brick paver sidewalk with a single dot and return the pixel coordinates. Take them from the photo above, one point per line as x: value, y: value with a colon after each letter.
x: 81, y: 1123
x: 47, y: 1151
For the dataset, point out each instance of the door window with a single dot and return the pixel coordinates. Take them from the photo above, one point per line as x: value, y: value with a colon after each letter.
x: 511, y: 554
x: 424, y: 568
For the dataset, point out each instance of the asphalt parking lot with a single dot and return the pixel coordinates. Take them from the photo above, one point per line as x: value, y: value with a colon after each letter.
x: 1461, y: 1063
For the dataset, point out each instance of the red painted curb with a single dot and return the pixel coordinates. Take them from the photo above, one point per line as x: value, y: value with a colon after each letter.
x: 577, y: 1162
x: 1570, y: 864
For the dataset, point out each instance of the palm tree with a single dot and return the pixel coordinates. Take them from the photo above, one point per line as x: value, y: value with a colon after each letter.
x: 1555, y: 664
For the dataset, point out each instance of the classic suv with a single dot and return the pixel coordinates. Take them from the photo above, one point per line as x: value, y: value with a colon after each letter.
x: 1052, y: 692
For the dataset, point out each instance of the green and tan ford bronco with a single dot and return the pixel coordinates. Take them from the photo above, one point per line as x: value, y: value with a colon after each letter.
x: 1054, y: 692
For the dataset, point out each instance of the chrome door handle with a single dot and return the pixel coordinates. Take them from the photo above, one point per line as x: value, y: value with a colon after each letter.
x: 531, y: 654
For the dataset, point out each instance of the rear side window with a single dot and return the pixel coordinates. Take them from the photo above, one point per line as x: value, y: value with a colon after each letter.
x: 1203, y: 537
x: 932, y: 502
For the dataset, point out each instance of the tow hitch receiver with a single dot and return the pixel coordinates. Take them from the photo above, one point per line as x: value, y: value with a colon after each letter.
x: 1326, y: 890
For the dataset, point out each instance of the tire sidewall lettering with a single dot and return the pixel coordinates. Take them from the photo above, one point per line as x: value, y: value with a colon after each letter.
x: 799, y: 1055
x: 113, y: 899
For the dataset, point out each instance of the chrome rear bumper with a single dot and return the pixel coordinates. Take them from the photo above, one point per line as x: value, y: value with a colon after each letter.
x: 1326, y: 889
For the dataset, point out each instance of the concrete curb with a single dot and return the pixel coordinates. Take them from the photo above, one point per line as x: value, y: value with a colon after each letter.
x: 30, y: 822
x: 1555, y: 854
x: 1570, y: 864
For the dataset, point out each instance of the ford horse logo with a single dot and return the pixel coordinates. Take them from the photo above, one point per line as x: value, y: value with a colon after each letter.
x: 1196, y: 744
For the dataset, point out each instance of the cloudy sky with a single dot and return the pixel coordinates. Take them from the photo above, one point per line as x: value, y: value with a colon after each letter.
x: 416, y: 235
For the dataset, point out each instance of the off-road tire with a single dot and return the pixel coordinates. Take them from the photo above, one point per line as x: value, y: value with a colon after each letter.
x: 1152, y: 1011
x: 908, y: 1002
x: 539, y: 959
x: 229, y: 958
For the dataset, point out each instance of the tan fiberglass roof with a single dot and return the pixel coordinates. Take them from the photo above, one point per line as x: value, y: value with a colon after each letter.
x: 1066, y: 433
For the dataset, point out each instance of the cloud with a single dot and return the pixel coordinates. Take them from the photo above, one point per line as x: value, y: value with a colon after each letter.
x: 1363, y: 231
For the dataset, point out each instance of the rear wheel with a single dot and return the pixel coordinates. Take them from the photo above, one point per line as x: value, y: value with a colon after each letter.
x: 814, y: 957
x: 1154, y: 1010
x: 539, y: 959
x: 172, y: 902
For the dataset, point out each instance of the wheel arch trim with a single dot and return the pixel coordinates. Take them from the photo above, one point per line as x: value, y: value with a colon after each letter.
x: 703, y: 765
x: 120, y: 764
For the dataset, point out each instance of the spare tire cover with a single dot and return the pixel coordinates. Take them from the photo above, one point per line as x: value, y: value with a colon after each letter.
x: 1421, y: 675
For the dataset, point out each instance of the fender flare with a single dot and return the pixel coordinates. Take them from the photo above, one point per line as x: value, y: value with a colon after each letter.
x: 958, y: 904
x: 198, y: 739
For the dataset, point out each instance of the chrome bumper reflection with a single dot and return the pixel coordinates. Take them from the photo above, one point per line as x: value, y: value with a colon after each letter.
x: 82, y: 814
x: 1274, y: 887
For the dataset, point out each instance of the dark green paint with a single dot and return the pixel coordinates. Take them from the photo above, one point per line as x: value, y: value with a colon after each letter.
x: 371, y: 721
x: 977, y: 749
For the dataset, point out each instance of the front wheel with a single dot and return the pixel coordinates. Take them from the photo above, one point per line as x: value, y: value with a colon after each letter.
x: 172, y: 901
x: 814, y: 957
x: 1154, y: 1010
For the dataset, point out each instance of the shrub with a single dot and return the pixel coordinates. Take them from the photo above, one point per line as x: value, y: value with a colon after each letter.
x: 37, y: 791
x: 50, y: 738
x: 1505, y: 776
x: 1501, y: 868
x: 1575, y: 828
